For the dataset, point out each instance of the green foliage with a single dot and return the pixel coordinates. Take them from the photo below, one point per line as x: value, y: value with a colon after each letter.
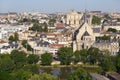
x: 77, y: 56
x: 118, y: 63
x: 65, y: 55
x: 33, y: 68
x: 107, y: 64
x: 103, y: 38
x: 43, y: 76
x: 96, y: 20
x: 11, y: 38
x: 52, y: 22
x: 112, y: 30
x: 20, y: 21
x: 93, y: 55
x: 40, y: 27
x: 34, y: 21
x: 19, y: 58
x: 80, y: 56
x: 28, y: 20
x: 26, y: 45
x: 46, y: 59
x: 80, y: 74
x: 32, y: 59
x: 5, y: 76
x: 6, y: 63
x: 14, y: 38
x: 21, y: 75
x: 107, y: 17
x: 118, y: 19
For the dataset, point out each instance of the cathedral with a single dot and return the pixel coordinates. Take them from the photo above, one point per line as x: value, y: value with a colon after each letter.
x: 83, y: 36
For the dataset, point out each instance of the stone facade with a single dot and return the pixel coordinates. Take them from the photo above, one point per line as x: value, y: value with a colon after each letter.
x: 112, y: 47
x: 73, y: 18
x: 83, y: 37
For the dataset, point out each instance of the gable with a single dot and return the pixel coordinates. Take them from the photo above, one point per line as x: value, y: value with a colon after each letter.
x: 84, y: 29
x: 86, y: 34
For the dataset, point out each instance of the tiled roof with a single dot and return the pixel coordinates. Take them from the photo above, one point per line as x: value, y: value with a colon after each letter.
x: 56, y: 45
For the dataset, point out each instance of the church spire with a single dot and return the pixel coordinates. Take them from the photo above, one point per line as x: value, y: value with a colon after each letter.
x: 85, y: 16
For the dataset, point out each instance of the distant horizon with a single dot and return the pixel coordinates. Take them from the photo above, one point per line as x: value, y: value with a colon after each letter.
x: 58, y: 11
x: 51, y: 6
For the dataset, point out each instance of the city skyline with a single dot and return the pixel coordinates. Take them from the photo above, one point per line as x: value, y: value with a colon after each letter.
x: 58, y: 6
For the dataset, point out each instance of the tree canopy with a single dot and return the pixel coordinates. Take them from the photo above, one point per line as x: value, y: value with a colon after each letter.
x: 43, y: 76
x: 52, y: 22
x: 19, y: 58
x: 96, y: 20
x: 40, y: 27
x: 112, y: 30
x: 118, y: 63
x: 26, y: 45
x: 32, y: 59
x: 6, y: 64
x: 46, y: 59
x: 93, y: 55
x: 14, y: 37
x: 65, y: 55
x: 80, y: 74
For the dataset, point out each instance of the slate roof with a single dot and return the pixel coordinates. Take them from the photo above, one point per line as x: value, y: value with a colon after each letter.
x: 86, y: 34
x: 10, y: 46
x: 43, y: 43
x: 98, y: 76
x: 96, y: 30
x: 43, y: 36
x: 114, y: 75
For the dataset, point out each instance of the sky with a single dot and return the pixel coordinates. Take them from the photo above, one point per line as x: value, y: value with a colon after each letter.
x: 50, y: 6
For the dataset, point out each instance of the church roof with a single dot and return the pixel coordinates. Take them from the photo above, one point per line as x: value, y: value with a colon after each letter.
x: 96, y: 30
x: 86, y: 34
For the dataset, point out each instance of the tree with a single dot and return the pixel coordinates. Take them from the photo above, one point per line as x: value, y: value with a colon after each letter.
x: 107, y: 17
x: 96, y: 20
x: 33, y: 68
x: 19, y: 58
x: 103, y: 38
x: 43, y: 76
x: 21, y: 75
x: 80, y: 74
x: 32, y: 59
x: 80, y: 56
x: 112, y: 30
x: 118, y: 19
x: 93, y: 55
x: 6, y: 64
x: 11, y: 38
x: 5, y: 76
x: 46, y: 59
x: 35, y: 21
x: 77, y: 56
x: 84, y: 55
x: 16, y: 36
x: 107, y: 64
x: 65, y: 55
x: 36, y: 27
x: 20, y: 21
x: 45, y: 29
x: 26, y: 45
x: 118, y: 63
x: 51, y: 22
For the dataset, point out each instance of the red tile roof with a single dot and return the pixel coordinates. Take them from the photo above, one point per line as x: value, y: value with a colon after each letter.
x: 59, y: 25
x: 56, y: 45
